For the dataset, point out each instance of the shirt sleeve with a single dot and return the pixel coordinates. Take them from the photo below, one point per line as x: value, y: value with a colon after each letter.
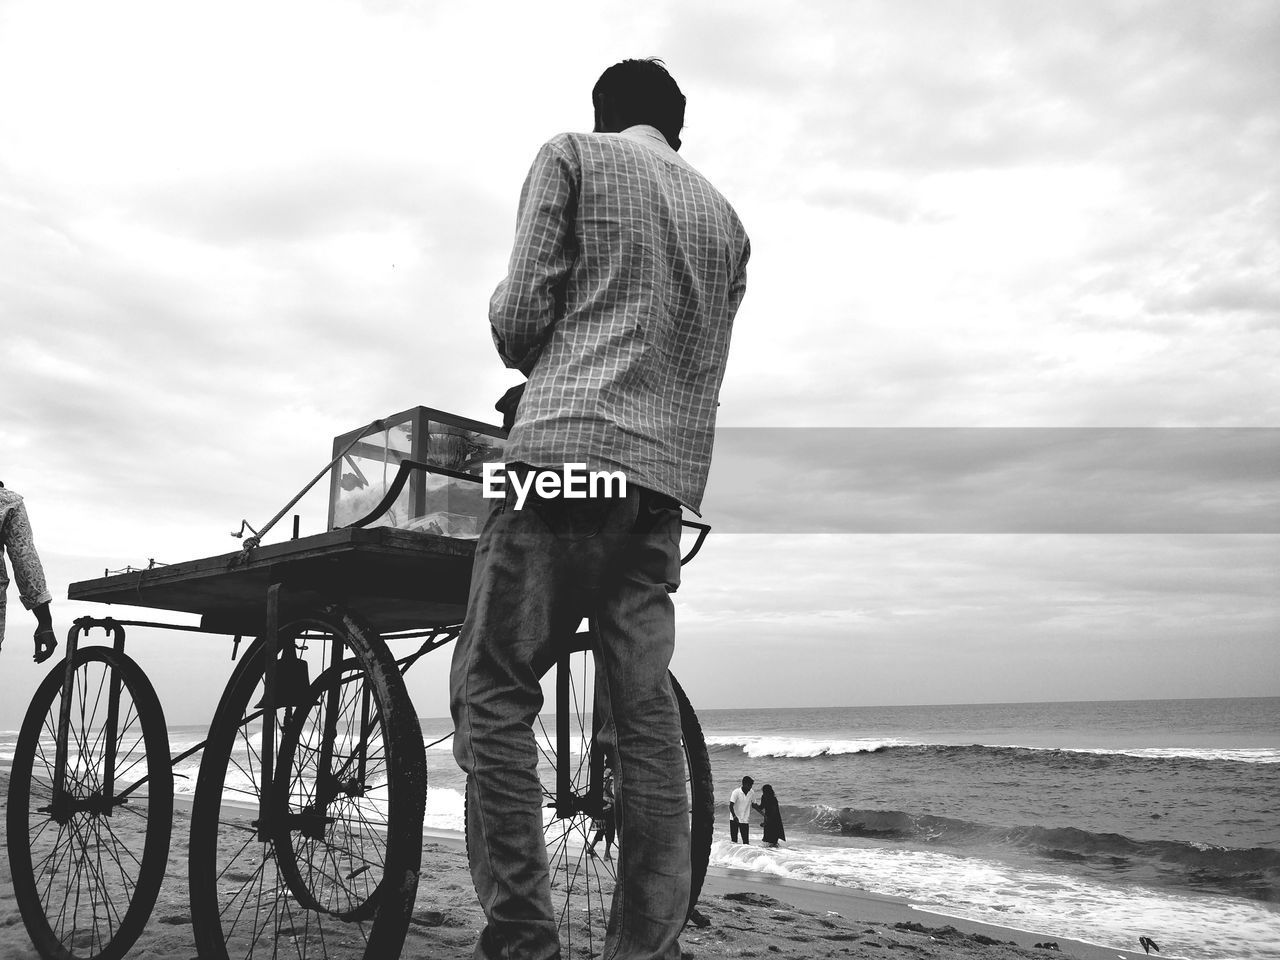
x: 527, y: 304
x: 738, y: 288
x: 15, y: 532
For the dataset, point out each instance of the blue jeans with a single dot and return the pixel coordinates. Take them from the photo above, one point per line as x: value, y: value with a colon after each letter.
x: 538, y: 571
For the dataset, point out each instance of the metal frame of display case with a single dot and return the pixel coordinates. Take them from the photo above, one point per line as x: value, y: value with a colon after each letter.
x: 348, y: 445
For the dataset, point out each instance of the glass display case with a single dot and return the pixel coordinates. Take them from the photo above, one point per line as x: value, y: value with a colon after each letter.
x: 430, y: 502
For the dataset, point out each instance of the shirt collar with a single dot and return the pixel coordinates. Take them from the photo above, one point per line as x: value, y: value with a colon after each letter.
x: 652, y: 136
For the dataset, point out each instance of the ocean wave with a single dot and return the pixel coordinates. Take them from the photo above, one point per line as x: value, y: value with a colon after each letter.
x: 812, y: 747
x: 1032, y: 898
x: 802, y: 747
x: 445, y: 810
x: 1234, y: 754
x: 1252, y: 872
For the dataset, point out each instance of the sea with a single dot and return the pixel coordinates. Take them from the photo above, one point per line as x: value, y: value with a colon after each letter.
x: 1098, y: 821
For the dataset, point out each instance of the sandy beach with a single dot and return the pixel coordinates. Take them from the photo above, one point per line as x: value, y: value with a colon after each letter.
x: 741, y: 915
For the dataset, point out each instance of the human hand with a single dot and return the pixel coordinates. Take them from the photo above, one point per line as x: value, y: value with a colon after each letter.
x: 46, y: 643
x: 508, y: 404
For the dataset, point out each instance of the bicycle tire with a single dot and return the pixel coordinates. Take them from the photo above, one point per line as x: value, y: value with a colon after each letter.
x: 117, y: 895
x: 326, y: 864
x: 233, y: 871
x: 702, y: 800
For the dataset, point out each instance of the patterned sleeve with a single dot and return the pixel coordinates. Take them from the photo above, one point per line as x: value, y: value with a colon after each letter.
x: 18, y: 542
x: 530, y: 300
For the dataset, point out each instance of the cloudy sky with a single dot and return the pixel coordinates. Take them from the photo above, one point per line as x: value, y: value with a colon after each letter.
x: 1016, y: 274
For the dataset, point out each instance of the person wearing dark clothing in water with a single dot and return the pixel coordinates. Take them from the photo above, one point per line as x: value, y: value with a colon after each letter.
x: 768, y: 806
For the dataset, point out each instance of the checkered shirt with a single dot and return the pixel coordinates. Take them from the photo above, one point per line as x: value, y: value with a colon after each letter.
x: 626, y: 274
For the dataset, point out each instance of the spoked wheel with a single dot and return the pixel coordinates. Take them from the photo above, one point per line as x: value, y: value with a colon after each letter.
x: 582, y: 884
x: 334, y: 870
x: 331, y: 796
x: 87, y: 865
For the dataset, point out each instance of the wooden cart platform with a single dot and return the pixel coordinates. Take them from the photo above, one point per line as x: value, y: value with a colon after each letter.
x: 392, y: 579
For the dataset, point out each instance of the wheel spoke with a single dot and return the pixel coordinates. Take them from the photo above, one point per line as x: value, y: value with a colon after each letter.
x: 84, y: 884
x: 310, y: 893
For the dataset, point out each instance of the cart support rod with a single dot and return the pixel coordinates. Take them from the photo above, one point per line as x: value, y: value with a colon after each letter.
x: 268, y: 753
x: 113, y: 721
x: 173, y: 762
x: 256, y: 539
x: 64, y: 717
x: 324, y: 776
x: 563, y: 788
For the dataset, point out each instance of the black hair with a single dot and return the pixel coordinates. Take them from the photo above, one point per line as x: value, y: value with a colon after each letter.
x: 641, y: 91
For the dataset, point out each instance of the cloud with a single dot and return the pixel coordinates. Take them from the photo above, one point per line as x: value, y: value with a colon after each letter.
x: 996, y: 480
x: 917, y: 587
x: 910, y: 618
x: 1064, y: 213
x: 946, y: 86
x: 293, y: 203
x: 1249, y: 294
x: 1005, y: 214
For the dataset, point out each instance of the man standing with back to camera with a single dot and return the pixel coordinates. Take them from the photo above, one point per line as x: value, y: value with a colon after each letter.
x: 627, y: 270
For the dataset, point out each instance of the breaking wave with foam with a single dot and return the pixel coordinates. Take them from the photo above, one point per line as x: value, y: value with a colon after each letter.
x: 801, y: 747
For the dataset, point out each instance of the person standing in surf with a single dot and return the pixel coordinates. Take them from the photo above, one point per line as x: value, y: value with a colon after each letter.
x: 740, y: 804
x: 772, y: 828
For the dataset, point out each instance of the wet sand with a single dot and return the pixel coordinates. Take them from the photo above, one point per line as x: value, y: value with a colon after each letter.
x: 741, y: 914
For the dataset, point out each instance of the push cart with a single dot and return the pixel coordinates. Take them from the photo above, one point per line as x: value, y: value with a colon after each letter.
x: 306, y: 821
